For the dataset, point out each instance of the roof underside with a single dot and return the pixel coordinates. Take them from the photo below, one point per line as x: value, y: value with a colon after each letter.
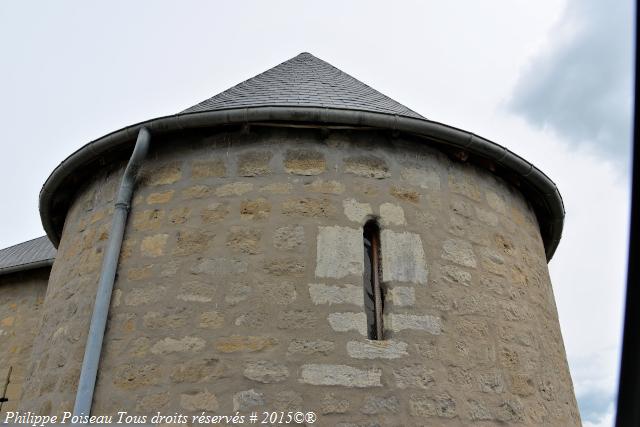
x: 304, y: 81
x: 24, y: 256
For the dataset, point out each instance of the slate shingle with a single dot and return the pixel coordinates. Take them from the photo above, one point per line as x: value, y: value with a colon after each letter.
x: 304, y: 81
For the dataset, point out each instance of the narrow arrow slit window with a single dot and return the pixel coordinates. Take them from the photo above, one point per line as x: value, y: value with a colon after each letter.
x: 373, y: 298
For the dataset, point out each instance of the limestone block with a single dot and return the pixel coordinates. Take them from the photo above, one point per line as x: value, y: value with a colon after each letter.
x: 386, y: 349
x: 325, y: 187
x: 405, y: 194
x: 161, y: 197
x: 304, y: 162
x: 214, y: 212
x: 329, y: 294
x: 459, y: 251
x: 234, y: 189
x: 344, y: 322
x: 211, y: 320
x: 340, y: 252
x: 310, y: 346
x: 259, y: 208
x: 413, y: 376
x: 255, y: 163
x: 341, y: 375
x: 220, y: 267
x: 402, y: 296
x: 374, y: 405
x: 235, y: 343
x: 355, y: 211
x: 367, y: 166
x: 398, y: 322
x: 265, y: 371
x: 202, y: 401
x: 423, y: 178
x: 247, y: 399
x: 172, y: 345
x: 154, y: 246
x: 403, y: 257
x: 148, y: 219
x: 425, y: 406
x: 496, y: 202
x: 308, y: 207
x: 289, y: 238
x: 391, y: 214
x: 166, y: 174
x: 208, y: 168
x: 332, y: 404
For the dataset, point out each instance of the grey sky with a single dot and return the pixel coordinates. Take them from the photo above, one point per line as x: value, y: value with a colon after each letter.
x: 580, y: 84
x: 72, y: 71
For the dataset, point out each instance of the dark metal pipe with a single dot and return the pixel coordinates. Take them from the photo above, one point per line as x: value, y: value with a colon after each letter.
x: 88, y: 375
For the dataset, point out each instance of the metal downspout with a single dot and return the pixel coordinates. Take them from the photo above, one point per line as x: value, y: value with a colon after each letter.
x: 88, y: 375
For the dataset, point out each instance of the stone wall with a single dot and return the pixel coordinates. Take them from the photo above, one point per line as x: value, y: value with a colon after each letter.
x: 21, y: 297
x: 240, y: 287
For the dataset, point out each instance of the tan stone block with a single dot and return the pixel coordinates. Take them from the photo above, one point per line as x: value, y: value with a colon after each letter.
x: 281, y: 293
x: 277, y: 188
x: 462, y: 183
x: 304, y: 162
x: 199, y: 370
x: 160, y: 197
x: 266, y: 371
x: 133, y: 376
x: 308, y: 207
x: 367, y: 166
x: 289, y: 238
x: 163, y: 175
x: 148, y: 219
x: 166, y: 319
x: 215, y: 212
x: 180, y: 345
x: 141, y: 273
x: 154, y: 246
x: 325, y: 187
x: 211, y: 320
x: 405, y: 194
x: 235, y: 343
x: 7, y: 321
x: 245, y: 240
x: 190, y: 242
x: 204, y: 401
x: 332, y: 404
x: 285, y: 266
x: 179, y: 215
x: 196, y: 192
x: 259, y: 208
x: 153, y: 402
x: 234, y: 189
x: 254, y: 163
x: 97, y: 216
x: 208, y: 168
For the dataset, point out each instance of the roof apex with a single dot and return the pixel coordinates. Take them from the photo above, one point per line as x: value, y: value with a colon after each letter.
x: 304, y: 81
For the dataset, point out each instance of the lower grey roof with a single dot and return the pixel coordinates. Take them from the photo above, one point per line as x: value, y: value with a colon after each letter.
x: 28, y: 255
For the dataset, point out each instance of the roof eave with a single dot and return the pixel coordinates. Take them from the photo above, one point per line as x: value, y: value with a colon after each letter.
x: 545, y: 192
x: 26, y: 267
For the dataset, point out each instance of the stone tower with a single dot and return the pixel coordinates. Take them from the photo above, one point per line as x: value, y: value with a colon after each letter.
x: 263, y: 221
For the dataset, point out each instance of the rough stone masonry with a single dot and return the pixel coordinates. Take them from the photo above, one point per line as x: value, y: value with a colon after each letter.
x: 240, y: 287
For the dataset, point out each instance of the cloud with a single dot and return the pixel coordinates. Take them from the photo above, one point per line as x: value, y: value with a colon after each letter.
x: 580, y: 84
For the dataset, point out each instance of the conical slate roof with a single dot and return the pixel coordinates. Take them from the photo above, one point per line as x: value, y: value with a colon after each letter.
x: 304, y: 81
